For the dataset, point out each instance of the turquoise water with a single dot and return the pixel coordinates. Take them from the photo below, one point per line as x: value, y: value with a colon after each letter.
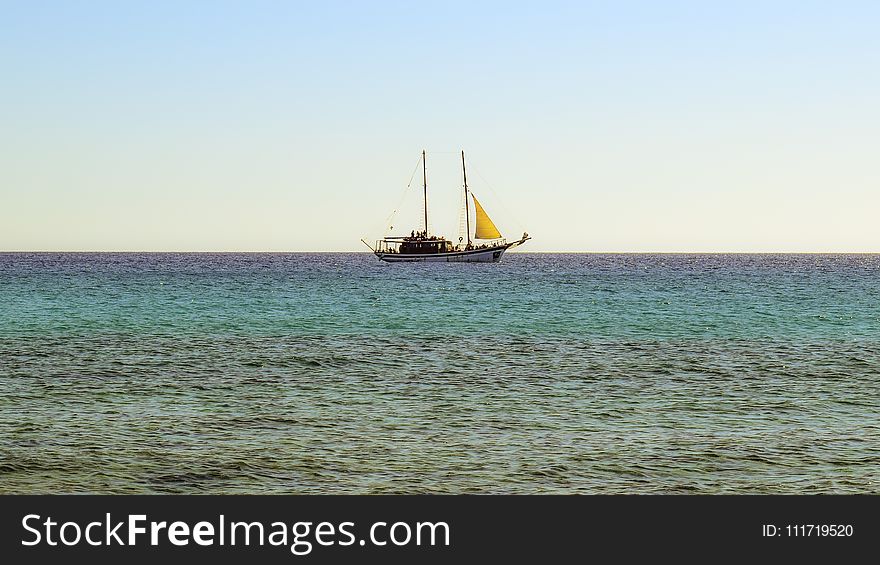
x: 336, y: 373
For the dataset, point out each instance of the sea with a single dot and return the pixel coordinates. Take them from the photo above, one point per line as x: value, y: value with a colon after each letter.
x: 313, y: 373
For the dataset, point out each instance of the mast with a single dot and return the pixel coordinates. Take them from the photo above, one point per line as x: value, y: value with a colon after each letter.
x: 425, y: 184
x: 467, y: 215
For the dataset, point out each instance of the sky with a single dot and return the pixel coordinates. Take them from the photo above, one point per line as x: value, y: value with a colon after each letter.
x: 295, y: 126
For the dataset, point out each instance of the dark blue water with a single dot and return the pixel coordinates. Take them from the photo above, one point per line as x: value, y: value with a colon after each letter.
x: 336, y: 373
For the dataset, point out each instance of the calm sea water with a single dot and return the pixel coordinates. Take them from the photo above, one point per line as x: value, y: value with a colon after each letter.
x: 335, y: 373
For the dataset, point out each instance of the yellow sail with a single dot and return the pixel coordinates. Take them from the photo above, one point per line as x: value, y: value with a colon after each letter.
x: 485, y: 228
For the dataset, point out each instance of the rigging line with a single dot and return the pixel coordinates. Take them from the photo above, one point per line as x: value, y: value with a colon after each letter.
x: 497, y: 198
x: 386, y: 228
x: 413, y: 175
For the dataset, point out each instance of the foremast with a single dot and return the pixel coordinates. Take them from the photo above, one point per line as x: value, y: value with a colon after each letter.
x: 467, y: 215
x: 425, y: 185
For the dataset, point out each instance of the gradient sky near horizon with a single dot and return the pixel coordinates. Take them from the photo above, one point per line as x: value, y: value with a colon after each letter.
x: 295, y: 126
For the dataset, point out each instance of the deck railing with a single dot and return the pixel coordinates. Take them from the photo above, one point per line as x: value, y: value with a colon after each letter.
x: 393, y: 245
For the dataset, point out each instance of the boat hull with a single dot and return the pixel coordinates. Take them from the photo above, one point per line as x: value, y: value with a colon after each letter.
x: 487, y: 255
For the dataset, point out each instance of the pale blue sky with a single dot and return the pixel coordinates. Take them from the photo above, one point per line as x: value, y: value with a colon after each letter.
x: 287, y: 126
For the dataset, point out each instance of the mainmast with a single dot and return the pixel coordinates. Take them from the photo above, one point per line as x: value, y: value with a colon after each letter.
x: 425, y: 184
x: 467, y: 215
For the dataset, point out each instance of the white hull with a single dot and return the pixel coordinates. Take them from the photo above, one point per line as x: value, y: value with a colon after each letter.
x: 488, y: 255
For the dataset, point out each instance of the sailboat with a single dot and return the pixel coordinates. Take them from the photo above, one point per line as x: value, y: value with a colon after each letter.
x: 486, y: 246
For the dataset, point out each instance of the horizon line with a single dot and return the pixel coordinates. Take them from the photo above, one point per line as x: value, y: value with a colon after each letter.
x: 254, y: 252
